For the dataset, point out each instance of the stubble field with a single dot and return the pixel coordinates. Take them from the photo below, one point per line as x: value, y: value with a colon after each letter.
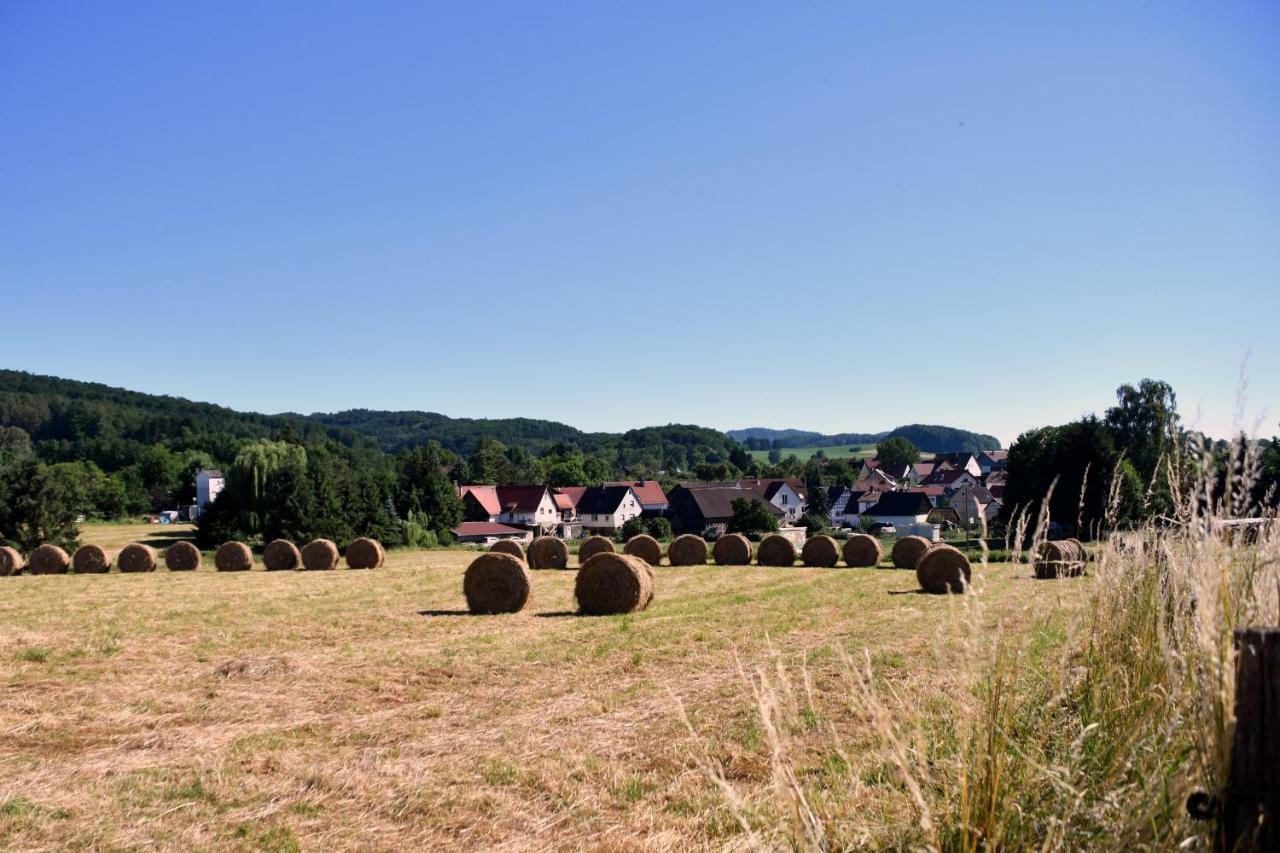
x: 366, y: 710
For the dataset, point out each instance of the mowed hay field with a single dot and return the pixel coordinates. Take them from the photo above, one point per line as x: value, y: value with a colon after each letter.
x: 366, y: 710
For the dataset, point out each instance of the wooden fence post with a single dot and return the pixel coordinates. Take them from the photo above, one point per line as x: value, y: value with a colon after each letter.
x: 1251, y: 802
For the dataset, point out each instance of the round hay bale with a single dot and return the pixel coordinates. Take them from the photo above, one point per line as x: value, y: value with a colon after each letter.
x: 136, y: 557
x: 233, y: 557
x: 1060, y: 559
x: 48, y: 560
x: 10, y: 561
x: 508, y: 546
x: 548, y: 552
x: 943, y: 569
x: 593, y: 545
x: 613, y: 583
x: 182, y: 557
x: 861, y: 550
x: 497, y: 583
x: 908, y: 550
x: 320, y: 555
x: 645, y: 547
x: 687, y: 550
x: 732, y: 549
x: 365, y: 553
x: 820, y: 552
x: 90, y: 560
x: 1081, y: 551
x: 776, y: 550
x: 281, y: 555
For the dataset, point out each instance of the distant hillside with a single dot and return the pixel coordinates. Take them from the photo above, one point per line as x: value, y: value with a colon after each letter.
x: 927, y: 437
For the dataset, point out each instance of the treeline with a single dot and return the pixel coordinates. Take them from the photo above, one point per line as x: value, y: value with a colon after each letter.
x: 71, y: 449
x: 1133, y: 464
x: 928, y: 437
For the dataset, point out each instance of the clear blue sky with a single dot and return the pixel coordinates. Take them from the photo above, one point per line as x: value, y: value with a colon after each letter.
x: 834, y: 216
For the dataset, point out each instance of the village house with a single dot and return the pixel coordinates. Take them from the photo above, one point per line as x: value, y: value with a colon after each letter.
x: 951, y: 478
x: 908, y: 512
x: 787, y: 495
x: 653, y: 501
x: 974, y: 504
x: 604, y: 509
x: 705, y: 509
x: 530, y: 507
x: 959, y: 462
x: 919, y: 471
x: 993, y: 460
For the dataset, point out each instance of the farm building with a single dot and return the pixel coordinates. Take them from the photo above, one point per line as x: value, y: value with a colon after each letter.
x: 906, y: 511
x: 703, y: 508
x: 530, y: 507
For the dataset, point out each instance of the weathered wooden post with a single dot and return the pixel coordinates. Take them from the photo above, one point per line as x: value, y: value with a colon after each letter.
x: 1251, y: 802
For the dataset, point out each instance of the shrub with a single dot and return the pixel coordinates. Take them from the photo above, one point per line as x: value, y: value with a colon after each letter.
x: 658, y: 528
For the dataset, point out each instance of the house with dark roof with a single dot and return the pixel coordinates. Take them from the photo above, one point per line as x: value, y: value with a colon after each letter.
x: 993, y: 460
x: 901, y: 509
x: 959, y: 461
x: 951, y: 478
x: 705, y: 508
x: 604, y: 509
x: 529, y: 507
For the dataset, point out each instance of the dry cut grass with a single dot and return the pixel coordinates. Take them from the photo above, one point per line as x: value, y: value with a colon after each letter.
x: 365, y: 710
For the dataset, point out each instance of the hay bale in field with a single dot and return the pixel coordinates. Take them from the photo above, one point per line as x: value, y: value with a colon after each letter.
x: 366, y: 553
x: 320, y: 555
x: 732, y: 549
x: 943, y: 569
x: 820, y: 552
x: 1081, y: 550
x: 593, y: 545
x: 645, y: 547
x: 90, y: 560
x: 548, y: 552
x: 1060, y: 559
x: 136, y: 557
x: 497, y: 583
x: 687, y: 550
x: 281, y: 555
x: 908, y: 550
x: 776, y: 550
x: 48, y: 560
x: 614, y: 583
x: 10, y: 561
x: 508, y: 546
x: 861, y: 550
x: 233, y: 557
x: 182, y: 557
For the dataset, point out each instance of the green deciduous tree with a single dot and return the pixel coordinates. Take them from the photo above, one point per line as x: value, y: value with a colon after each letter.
x: 897, y: 451
x: 750, y: 515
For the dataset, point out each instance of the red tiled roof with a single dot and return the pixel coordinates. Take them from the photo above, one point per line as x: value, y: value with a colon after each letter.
x: 486, y: 496
x: 573, y: 493
x: 485, y: 528
x: 647, y: 491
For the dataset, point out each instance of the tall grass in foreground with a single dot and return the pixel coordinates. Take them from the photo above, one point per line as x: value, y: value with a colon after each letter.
x: 1093, y: 745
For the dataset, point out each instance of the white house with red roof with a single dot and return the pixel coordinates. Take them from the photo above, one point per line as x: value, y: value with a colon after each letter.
x: 649, y: 493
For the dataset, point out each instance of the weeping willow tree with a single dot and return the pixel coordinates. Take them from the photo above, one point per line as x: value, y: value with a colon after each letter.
x: 256, y: 468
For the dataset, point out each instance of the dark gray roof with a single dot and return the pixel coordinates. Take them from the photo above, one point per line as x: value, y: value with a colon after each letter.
x: 602, y: 500
x: 901, y: 503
